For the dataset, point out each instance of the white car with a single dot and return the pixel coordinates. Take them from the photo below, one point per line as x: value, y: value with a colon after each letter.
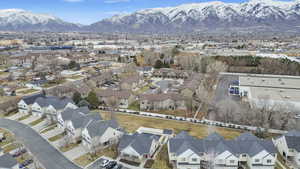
x: 104, y: 163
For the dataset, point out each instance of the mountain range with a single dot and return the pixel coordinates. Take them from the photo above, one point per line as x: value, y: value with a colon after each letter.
x: 254, y: 15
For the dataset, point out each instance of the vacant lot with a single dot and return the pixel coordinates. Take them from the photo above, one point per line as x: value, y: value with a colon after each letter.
x: 131, y: 123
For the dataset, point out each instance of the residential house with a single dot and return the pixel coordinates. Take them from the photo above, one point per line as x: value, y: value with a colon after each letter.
x: 187, y: 152
x: 138, y: 147
x: 164, y: 101
x: 288, y: 145
x: 8, y: 162
x: 131, y: 82
x: 101, y: 134
x: 121, y: 98
x: 49, y: 106
x: 24, y: 105
x: 77, y: 123
x: 67, y: 114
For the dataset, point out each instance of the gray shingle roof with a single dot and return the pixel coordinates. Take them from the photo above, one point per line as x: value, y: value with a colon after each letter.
x: 56, y: 102
x: 141, y: 143
x: 30, y: 99
x: 246, y: 136
x: 214, y: 136
x: 216, y: 143
x: 68, y: 112
x: 97, y: 128
x: 7, y: 161
x: 293, y: 142
x: 293, y: 133
x: 80, y: 120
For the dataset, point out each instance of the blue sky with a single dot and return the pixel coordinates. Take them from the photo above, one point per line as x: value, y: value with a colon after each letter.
x: 89, y: 11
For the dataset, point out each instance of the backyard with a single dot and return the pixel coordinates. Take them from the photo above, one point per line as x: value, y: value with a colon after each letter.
x: 131, y: 123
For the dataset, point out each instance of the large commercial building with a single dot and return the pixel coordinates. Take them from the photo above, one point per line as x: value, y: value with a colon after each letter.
x: 277, y: 92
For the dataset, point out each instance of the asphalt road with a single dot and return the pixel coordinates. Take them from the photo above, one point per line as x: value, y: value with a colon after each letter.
x: 46, y: 154
x: 222, y: 88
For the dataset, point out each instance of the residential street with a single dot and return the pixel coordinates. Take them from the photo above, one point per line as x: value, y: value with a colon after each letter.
x: 48, y: 156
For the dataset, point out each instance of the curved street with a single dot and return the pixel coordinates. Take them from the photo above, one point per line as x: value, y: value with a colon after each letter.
x: 46, y: 154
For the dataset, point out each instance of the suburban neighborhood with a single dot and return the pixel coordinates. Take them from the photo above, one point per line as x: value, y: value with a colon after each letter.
x: 202, y: 85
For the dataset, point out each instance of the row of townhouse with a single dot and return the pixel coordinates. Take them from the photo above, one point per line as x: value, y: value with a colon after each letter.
x: 163, y: 101
x: 123, y: 98
x: 89, y: 128
x: 41, y: 105
x: 78, y: 122
x: 246, y: 151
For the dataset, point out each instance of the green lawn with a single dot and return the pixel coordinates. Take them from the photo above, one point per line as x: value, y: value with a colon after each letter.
x: 36, y: 121
x: 131, y: 123
x: 49, y: 129
x: 134, y: 106
x: 9, y: 137
x: 57, y: 137
x: 24, y: 117
x: 68, y: 147
x: 11, y: 147
x: 162, y: 160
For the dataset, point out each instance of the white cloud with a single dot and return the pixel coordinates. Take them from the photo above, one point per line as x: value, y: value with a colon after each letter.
x: 115, y: 1
x: 73, y: 0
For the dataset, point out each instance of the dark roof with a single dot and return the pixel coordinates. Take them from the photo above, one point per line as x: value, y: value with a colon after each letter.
x: 56, y: 102
x: 214, y: 136
x: 80, y: 120
x: 68, y: 112
x: 246, y: 136
x: 97, y: 128
x: 167, y: 131
x: 293, y: 142
x: 7, y: 161
x: 216, y: 143
x: 30, y: 99
x: 141, y: 143
x: 293, y: 133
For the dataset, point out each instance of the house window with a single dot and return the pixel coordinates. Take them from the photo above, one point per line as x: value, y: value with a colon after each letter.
x: 256, y: 160
x: 244, y: 155
x: 194, y: 159
x: 182, y: 159
x: 231, y: 161
x: 269, y: 161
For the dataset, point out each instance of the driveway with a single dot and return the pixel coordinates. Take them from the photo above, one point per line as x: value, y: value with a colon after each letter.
x: 75, y: 152
x: 41, y: 125
x: 16, y: 116
x: 51, y: 133
x: 46, y: 154
x: 29, y: 119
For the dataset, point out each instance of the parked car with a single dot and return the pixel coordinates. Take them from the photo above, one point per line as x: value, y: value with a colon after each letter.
x: 118, y: 166
x: 111, y: 165
x: 104, y: 162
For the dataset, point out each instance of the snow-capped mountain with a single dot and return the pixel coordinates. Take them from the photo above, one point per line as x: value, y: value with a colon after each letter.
x: 21, y: 20
x: 216, y: 15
